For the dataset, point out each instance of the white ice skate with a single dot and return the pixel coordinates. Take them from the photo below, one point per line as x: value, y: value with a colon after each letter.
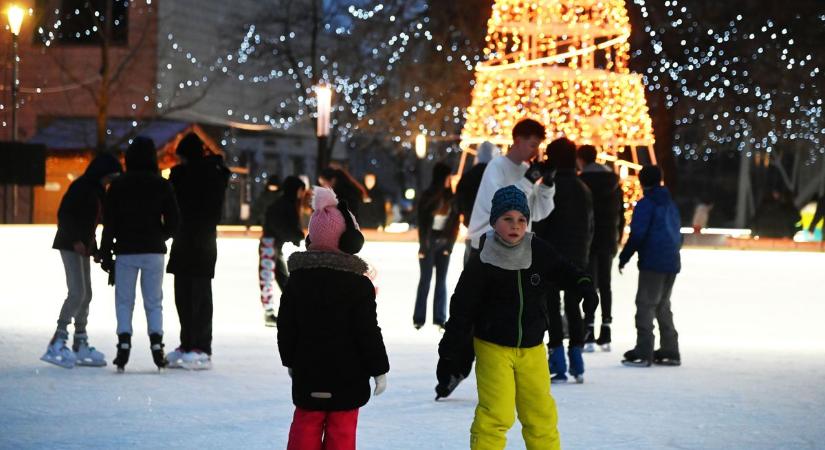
x: 605, y: 347
x: 86, y: 355
x: 589, y: 347
x: 196, y: 361
x: 175, y: 359
x: 59, y: 354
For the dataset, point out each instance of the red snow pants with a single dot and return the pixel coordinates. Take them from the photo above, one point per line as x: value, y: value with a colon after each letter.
x: 323, y: 430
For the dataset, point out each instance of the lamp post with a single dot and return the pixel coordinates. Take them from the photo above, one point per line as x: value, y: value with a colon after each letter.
x: 323, y: 96
x: 15, y: 16
x: 421, y: 145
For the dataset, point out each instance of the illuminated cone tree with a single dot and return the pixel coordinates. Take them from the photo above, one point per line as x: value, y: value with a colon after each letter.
x: 565, y: 64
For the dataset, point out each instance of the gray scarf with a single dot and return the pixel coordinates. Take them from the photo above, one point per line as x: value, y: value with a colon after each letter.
x: 501, y: 253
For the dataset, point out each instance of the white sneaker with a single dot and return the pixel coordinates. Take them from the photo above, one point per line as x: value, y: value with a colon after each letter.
x: 175, y: 359
x: 86, y: 355
x: 59, y: 354
x: 196, y: 360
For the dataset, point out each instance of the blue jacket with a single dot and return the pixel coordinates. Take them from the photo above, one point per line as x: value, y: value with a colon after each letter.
x: 654, y: 233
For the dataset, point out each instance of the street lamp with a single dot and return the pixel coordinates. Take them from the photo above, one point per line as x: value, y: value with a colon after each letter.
x: 15, y: 14
x: 421, y: 145
x: 323, y: 96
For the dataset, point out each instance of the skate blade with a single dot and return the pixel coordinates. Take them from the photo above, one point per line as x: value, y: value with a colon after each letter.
x: 91, y: 363
x: 197, y: 366
x: 636, y: 363
x: 60, y: 362
x: 558, y: 381
x: 589, y: 348
x: 120, y: 370
x: 605, y: 347
x: 668, y: 362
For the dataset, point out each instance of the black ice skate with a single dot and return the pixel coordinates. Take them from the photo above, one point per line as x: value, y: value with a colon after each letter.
x: 156, y: 345
x: 666, y: 358
x: 604, y: 337
x: 589, y: 339
x: 124, y: 347
x: 633, y: 358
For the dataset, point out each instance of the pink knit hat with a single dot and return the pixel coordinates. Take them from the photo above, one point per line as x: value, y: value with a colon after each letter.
x: 326, y: 225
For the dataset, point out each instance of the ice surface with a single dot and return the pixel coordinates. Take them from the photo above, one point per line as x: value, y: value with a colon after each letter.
x: 751, y: 334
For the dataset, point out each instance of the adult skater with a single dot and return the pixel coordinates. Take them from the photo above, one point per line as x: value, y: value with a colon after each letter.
x: 282, y: 225
x: 77, y: 217
x: 654, y: 234
x: 499, y: 312
x: 467, y: 188
x: 200, y: 183
x: 328, y: 334
x: 608, y: 218
x: 139, y: 214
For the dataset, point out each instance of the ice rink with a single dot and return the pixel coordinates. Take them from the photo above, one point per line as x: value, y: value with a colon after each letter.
x: 751, y: 334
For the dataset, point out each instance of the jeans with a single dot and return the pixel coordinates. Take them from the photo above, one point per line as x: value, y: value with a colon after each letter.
x: 150, y: 267
x: 575, y: 324
x: 653, y: 301
x: 193, y: 299
x: 79, y: 284
x: 601, y: 264
x: 435, y: 257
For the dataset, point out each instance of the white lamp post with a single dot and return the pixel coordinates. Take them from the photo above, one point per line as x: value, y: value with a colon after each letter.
x: 323, y: 95
x: 421, y: 145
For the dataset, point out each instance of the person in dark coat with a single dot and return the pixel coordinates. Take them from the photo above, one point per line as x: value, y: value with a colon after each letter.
x: 200, y: 183
x: 467, y: 188
x: 271, y: 192
x: 569, y: 229
x: 282, y: 225
x: 328, y: 334
x: 140, y: 213
x: 345, y: 186
x: 437, y: 230
x: 776, y: 216
x: 80, y: 211
x: 655, y: 236
x: 608, y: 218
x: 374, y: 209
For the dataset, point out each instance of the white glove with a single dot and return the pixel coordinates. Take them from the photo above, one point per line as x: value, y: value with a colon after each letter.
x: 380, y: 384
x: 289, y: 371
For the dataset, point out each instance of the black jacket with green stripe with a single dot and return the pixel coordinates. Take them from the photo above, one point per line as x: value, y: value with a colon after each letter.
x: 507, y: 307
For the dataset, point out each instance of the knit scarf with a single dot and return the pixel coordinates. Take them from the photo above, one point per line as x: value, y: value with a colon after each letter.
x: 502, y: 254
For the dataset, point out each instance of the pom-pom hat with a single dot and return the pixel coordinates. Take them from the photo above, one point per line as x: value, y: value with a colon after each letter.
x: 332, y: 227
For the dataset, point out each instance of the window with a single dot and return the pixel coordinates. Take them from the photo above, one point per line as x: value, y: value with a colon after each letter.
x: 81, y: 22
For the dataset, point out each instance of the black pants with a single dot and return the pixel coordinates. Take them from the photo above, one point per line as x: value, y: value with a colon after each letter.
x: 575, y: 324
x: 601, y: 264
x: 653, y: 302
x: 193, y: 299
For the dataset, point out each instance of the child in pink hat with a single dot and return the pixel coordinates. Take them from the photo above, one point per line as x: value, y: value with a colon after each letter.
x: 328, y: 334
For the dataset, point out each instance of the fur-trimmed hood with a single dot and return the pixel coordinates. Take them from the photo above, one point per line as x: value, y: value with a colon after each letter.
x: 328, y: 260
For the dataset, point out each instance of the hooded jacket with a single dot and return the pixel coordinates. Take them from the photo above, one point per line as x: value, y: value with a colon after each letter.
x: 140, y: 212
x: 81, y: 208
x: 569, y: 228
x: 328, y: 331
x: 608, y: 209
x: 283, y: 221
x: 654, y: 233
x: 200, y: 187
x: 506, y: 307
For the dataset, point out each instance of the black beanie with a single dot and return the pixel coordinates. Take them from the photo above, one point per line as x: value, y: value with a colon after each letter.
x: 650, y: 176
x: 190, y: 147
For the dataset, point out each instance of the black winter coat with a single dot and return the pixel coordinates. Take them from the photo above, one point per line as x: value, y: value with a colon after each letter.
x: 430, y: 202
x: 467, y: 190
x: 608, y: 210
x: 506, y: 307
x: 328, y: 331
x: 139, y: 213
x: 569, y: 228
x: 283, y: 221
x: 200, y: 187
x: 81, y: 208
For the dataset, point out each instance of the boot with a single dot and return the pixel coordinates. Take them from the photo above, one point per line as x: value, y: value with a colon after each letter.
x: 558, y: 365
x: 124, y: 347
x: 634, y: 358
x: 576, y: 363
x: 589, y: 338
x: 156, y: 344
x: 58, y: 353
x: 666, y: 358
x: 604, y: 337
x: 85, y: 354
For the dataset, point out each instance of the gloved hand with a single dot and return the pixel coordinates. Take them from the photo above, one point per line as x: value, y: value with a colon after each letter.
x: 449, y: 376
x: 548, y: 177
x: 380, y: 384
x: 535, y: 171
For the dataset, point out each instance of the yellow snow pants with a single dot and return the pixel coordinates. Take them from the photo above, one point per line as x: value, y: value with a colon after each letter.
x: 513, y: 379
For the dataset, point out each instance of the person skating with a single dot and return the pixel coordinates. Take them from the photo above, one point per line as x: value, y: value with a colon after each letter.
x: 200, y: 183
x: 523, y: 167
x: 140, y: 213
x: 437, y: 231
x: 467, y: 188
x: 569, y: 229
x: 655, y: 235
x: 328, y: 333
x: 77, y: 217
x: 281, y: 225
x: 499, y: 312
x: 609, y: 222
